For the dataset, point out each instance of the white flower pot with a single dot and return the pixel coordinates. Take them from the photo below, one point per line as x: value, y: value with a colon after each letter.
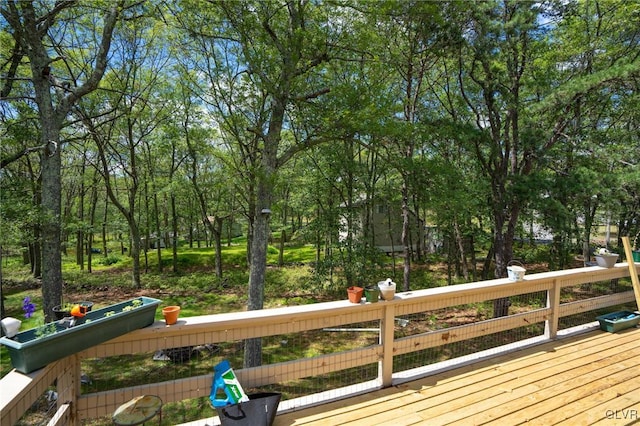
x: 10, y: 326
x: 607, y: 260
x: 387, y: 289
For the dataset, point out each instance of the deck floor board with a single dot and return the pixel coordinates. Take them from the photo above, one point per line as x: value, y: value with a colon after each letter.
x: 592, y: 378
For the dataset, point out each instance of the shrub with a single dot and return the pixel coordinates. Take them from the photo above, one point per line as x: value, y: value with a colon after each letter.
x: 109, y: 260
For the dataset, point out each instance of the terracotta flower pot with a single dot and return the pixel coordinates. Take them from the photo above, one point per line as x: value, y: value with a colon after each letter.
x: 171, y: 314
x: 355, y: 294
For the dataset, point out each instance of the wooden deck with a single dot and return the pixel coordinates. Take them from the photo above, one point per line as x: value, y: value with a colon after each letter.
x: 592, y: 378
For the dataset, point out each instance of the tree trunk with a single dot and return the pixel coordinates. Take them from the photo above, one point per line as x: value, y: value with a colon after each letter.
x: 174, y: 231
x: 158, y: 229
x: 218, y: 222
x: 147, y: 227
x: 253, y: 347
x: 92, y: 219
x: 80, y: 242
x: 51, y: 209
x: 503, y: 245
x: 135, y: 251
x: 283, y: 237
x: 260, y: 237
x: 405, y: 234
x: 104, y: 227
x: 35, y: 252
x: 51, y: 183
x: 461, y: 252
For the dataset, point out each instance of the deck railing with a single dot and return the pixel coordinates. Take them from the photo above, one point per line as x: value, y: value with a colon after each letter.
x: 19, y: 391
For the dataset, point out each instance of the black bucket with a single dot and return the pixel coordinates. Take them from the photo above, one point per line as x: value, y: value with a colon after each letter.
x: 260, y: 410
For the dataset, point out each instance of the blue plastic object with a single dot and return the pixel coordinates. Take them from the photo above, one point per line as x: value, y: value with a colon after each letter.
x: 225, y: 389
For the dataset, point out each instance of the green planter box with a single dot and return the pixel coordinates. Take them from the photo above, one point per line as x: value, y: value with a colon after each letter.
x: 617, y: 321
x: 33, y: 349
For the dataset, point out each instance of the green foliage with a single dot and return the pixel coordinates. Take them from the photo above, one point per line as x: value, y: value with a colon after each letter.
x: 533, y: 253
x: 284, y: 282
x: 109, y: 260
x: 45, y: 330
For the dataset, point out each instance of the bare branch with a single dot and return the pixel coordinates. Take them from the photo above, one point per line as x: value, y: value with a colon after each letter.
x: 101, y: 62
x: 313, y: 95
x: 15, y: 157
x: 16, y: 58
x: 43, y: 24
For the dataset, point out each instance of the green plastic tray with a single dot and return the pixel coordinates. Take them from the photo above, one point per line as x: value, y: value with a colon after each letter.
x: 30, y: 351
x: 617, y: 321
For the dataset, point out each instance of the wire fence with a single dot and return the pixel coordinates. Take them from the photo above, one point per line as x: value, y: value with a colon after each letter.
x: 173, y: 364
x: 589, y: 291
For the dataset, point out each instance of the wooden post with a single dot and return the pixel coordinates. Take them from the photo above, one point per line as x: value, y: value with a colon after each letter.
x: 553, y: 302
x: 385, y: 366
x: 632, y: 269
x: 68, y: 388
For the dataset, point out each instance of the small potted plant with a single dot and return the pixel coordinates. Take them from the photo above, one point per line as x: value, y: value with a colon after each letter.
x: 387, y: 289
x: 63, y: 310
x: 605, y: 258
x: 372, y: 293
x: 87, y: 305
x: 170, y: 314
x: 355, y: 294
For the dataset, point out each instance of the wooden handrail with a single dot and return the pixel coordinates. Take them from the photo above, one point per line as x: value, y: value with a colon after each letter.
x: 211, y: 329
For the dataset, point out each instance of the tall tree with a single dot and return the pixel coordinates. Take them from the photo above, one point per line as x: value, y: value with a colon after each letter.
x: 599, y: 66
x: 288, y: 32
x: 263, y: 59
x: 209, y: 178
x: 125, y: 116
x: 61, y: 74
x: 520, y: 113
x: 419, y: 37
x: 497, y: 62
